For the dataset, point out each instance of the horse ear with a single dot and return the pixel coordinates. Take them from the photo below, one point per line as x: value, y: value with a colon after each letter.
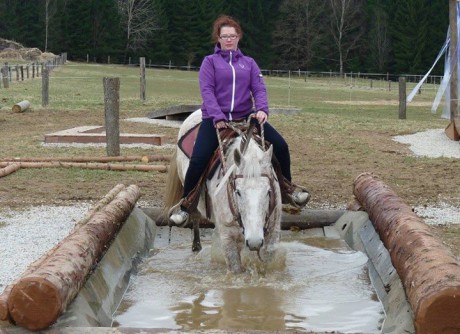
x: 237, y: 157
x: 269, y: 153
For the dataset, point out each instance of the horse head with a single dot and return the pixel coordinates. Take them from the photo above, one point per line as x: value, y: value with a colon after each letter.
x: 254, y: 191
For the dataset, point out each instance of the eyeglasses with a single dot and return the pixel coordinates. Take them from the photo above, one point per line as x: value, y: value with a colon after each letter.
x: 230, y: 37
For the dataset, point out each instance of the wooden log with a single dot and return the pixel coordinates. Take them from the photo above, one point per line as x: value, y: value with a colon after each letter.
x: 430, y: 273
x: 37, y: 299
x: 21, y: 106
x: 305, y: 219
x: 102, y: 203
x: 107, y: 166
x: 4, y: 313
x: 9, y: 169
x: 144, y: 158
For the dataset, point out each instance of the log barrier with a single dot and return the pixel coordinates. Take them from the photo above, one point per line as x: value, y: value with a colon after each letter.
x: 430, y: 273
x: 304, y: 220
x: 42, y: 293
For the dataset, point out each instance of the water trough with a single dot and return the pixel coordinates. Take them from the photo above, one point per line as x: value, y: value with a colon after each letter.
x: 91, y: 311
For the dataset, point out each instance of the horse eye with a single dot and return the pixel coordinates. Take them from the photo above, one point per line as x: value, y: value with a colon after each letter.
x: 269, y: 193
x: 237, y: 192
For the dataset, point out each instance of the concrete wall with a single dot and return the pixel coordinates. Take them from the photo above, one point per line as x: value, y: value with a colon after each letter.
x: 101, y: 294
x: 357, y: 230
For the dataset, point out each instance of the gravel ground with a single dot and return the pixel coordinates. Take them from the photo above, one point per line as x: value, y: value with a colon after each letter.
x: 431, y: 143
x: 25, y: 235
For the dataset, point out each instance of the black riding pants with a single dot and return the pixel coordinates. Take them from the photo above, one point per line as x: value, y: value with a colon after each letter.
x: 206, y: 143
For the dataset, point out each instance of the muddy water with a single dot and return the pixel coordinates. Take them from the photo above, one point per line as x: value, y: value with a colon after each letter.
x: 314, y: 284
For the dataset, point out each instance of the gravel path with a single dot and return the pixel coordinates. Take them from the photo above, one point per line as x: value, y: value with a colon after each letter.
x: 431, y: 143
x: 25, y: 235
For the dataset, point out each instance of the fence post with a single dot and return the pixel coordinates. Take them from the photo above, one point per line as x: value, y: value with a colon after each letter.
x: 5, y: 80
x: 112, y: 112
x: 45, y: 87
x: 142, y: 67
x: 402, y: 98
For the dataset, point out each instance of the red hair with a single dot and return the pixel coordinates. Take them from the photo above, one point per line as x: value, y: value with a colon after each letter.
x: 225, y: 21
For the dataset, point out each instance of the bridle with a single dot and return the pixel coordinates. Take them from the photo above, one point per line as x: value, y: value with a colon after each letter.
x: 231, y: 187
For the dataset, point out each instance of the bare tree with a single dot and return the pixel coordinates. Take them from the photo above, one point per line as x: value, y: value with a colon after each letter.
x: 347, y: 26
x: 139, y: 21
x: 299, y: 32
x: 49, y: 12
x: 379, y: 39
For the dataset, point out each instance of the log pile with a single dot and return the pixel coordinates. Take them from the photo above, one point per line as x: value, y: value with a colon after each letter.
x: 428, y: 270
x: 37, y: 298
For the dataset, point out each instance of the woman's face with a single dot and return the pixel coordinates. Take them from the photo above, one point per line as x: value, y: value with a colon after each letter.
x: 228, y: 38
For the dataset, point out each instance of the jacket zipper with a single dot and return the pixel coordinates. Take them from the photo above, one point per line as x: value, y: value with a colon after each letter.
x: 233, y: 87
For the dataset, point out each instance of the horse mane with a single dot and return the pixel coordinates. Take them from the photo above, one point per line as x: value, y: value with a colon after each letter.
x: 252, y: 166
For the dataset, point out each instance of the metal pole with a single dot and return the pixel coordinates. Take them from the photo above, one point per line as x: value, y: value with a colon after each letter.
x: 453, y: 58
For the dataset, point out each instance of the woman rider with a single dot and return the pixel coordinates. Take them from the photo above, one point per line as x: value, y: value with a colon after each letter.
x: 232, y: 88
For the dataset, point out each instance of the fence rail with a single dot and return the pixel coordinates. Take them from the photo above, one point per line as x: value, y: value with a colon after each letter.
x: 28, y: 71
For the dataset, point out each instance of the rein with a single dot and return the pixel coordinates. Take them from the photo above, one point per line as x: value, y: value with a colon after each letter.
x: 231, y: 183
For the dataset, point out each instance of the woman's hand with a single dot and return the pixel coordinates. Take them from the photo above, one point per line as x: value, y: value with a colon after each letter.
x: 261, y: 117
x: 221, y: 125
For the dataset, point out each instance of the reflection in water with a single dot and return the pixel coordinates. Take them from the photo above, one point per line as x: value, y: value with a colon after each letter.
x: 305, y: 287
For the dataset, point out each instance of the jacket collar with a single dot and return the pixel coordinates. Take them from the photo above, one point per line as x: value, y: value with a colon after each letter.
x: 226, y: 53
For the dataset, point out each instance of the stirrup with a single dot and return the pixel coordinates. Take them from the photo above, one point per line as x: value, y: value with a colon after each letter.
x: 170, y: 213
x: 290, y: 196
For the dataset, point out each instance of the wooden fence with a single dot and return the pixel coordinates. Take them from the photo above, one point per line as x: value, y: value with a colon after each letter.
x: 9, y: 73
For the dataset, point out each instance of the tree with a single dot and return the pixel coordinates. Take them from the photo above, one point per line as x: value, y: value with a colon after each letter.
x: 299, y: 33
x: 257, y: 18
x: 378, y: 38
x: 139, y: 21
x: 410, y: 34
x: 50, y: 10
x: 346, y: 27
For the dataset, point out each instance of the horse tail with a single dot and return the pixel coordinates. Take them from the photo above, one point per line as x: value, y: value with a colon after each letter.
x: 174, y: 186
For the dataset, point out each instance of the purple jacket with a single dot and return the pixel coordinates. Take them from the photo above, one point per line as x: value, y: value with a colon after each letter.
x: 229, y: 83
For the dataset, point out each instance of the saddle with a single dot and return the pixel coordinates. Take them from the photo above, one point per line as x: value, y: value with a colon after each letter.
x: 186, y: 144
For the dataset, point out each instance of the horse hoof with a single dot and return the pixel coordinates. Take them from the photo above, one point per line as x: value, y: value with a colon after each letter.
x: 196, y: 247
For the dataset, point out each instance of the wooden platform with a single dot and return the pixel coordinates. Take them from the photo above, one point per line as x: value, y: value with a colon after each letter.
x: 179, y: 112
x: 96, y: 134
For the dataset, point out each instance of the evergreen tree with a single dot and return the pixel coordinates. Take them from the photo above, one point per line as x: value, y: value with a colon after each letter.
x: 410, y: 33
x: 438, y: 24
x: 158, y: 46
x: 378, y: 46
x: 257, y: 19
x: 299, y: 34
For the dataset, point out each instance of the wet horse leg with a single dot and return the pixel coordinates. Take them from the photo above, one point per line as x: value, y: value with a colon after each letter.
x: 232, y: 250
x: 196, y: 246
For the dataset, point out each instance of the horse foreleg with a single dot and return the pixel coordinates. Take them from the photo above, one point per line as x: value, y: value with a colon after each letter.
x: 232, y: 250
x: 196, y: 245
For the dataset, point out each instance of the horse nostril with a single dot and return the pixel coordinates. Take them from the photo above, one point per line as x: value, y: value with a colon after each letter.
x: 254, y: 245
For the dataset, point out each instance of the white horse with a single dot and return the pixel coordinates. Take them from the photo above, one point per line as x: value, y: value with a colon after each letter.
x: 244, y: 196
